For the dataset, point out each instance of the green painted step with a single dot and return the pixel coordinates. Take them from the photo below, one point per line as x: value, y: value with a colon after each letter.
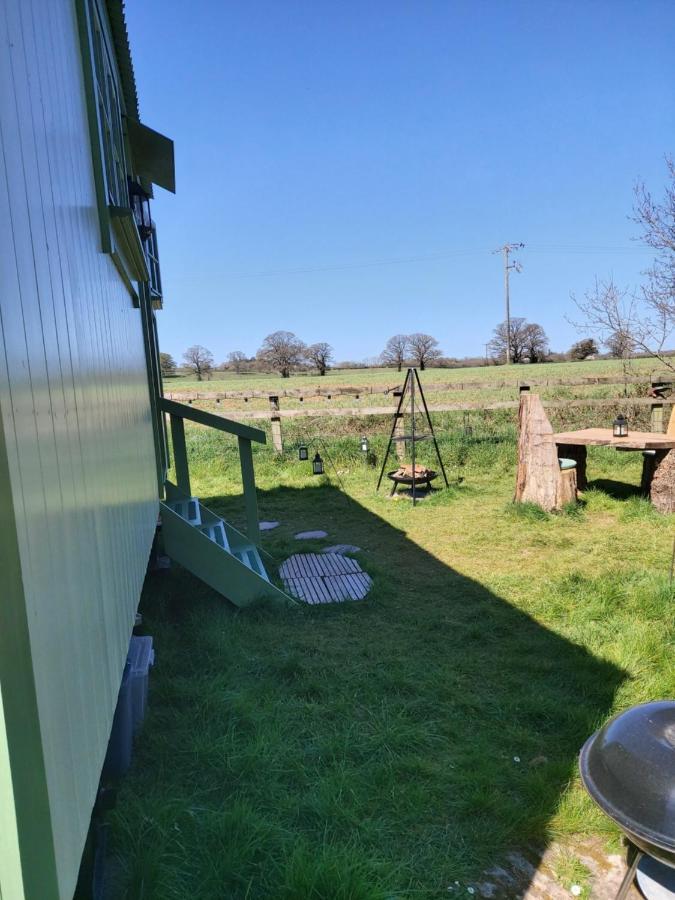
x: 214, y: 550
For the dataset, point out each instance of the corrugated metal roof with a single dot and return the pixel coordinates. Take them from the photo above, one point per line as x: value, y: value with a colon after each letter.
x: 120, y: 38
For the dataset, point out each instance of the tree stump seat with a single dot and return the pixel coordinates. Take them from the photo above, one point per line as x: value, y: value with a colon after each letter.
x: 542, y: 477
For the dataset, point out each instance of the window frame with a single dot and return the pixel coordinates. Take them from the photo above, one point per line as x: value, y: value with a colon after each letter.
x: 111, y: 162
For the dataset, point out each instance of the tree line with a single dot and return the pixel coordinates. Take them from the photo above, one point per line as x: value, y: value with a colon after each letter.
x: 283, y: 352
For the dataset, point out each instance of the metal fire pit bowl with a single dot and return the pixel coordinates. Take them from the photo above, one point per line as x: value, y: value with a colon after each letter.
x: 408, y: 479
x: 628, y: 768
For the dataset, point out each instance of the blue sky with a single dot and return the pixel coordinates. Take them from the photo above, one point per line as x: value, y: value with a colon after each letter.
x: 345, y: 167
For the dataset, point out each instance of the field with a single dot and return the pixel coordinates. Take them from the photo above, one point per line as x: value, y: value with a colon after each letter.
x: 372, y: 388
x: 381, y: 378
x: 390, y: 748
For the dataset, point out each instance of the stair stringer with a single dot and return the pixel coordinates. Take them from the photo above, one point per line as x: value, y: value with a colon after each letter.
x: 215, y: 566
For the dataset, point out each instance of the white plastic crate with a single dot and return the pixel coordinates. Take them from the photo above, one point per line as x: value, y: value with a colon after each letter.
x: 141, y: 657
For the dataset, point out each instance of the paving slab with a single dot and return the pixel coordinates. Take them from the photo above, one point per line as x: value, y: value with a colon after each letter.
x: 531, y: 875
x: 268, y: 526
x: 324, y: 578
x: 341, y: 549
x: 310, y: 535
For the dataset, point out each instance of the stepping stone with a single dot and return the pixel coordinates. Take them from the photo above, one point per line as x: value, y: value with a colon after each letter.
x: 324, y: 578
x: 268, y: 526
x: 310, y: 535
x: 341, y: 549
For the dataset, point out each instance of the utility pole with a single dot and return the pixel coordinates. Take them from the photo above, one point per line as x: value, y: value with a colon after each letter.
x: 506, y: 250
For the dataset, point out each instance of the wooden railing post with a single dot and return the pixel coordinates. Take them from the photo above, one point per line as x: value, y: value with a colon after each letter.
x: 277, y: 439
x: 180, y: 459
x: 248, y: 481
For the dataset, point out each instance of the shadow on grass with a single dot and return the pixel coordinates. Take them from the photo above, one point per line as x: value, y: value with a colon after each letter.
x: 381, y: 749
x: 620, y: 490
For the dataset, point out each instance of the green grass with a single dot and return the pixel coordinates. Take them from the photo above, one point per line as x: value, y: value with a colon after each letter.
x: 260, y: 381
x: 385, y: 749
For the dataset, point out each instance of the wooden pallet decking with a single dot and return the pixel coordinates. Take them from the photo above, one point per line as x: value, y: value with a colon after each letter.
x: 324, y: 578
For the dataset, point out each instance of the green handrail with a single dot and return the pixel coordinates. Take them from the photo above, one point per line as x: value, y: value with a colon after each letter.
x: 244, y: 433
x: 183, y: 411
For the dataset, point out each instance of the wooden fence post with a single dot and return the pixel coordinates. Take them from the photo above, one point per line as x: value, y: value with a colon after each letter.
x: 277, y: 438
x: 398, y: 434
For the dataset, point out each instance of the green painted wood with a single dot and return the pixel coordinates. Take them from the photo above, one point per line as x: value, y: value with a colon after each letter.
x: 216, y: 567
x: 248, y: 483
x: 11, y: 876
x: 154, y: 384
x: 180, y: 459
x: 26, y: 840
x: 212, y: 421
x: 76, y: 421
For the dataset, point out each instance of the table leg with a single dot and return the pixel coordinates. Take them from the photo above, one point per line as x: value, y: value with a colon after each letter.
x: 662, y: 486
x: 577, y: 452
x: 648, y: 466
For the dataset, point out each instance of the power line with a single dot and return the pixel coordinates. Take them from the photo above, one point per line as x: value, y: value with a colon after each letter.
x: 542, y: 249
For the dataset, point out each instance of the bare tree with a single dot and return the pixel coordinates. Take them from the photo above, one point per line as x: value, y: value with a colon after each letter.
x: 515, y: 342
x: 167, y: 365
x: 236, y: 360
x: 658, y: 232
x: 612, y: 314
x: 641, y: 320
x: 535, y: 342
x: 320, y: 355
x: 423, y: 349
x: 282, y: 351
x: 395, y: 351
x: 199, y: 359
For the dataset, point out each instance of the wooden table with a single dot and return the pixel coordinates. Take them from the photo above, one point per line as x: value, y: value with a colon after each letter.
x: 658, y: 478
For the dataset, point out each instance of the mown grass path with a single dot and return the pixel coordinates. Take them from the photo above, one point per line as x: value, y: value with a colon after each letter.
x: 388, y: 748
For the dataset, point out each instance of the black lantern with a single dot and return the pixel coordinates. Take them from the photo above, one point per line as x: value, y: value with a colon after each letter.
x: 303, y: 453
x: 620, y: 427
x: 140, y: 206
x: 317, y: 465
x: 365, y: 446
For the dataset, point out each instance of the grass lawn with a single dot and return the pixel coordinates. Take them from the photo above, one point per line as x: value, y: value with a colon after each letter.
x: 387, y: 748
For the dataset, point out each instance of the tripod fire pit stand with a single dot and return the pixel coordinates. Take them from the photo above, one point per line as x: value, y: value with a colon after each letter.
x: 416, y: 474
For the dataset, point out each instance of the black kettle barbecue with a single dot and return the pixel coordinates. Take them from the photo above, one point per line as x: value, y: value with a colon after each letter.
x: 628, y: 768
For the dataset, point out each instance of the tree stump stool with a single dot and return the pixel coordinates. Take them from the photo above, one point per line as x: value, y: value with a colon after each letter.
x: 539, y: 479
x: 662, y: 484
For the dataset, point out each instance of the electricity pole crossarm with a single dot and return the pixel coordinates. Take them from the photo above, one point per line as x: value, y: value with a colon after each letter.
x: 506, y: 250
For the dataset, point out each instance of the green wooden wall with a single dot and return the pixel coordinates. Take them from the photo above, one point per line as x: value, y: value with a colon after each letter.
x: 78, y: 488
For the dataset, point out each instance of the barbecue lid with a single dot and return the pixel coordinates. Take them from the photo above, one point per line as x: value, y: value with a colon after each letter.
x: 628, y: 768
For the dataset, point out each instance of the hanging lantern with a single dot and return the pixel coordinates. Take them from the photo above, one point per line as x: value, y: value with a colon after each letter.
x: 365, y: 446
x: 317, y: 465
x: 303, y: 453
x: 620, y: 427
x: 140, y: 205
